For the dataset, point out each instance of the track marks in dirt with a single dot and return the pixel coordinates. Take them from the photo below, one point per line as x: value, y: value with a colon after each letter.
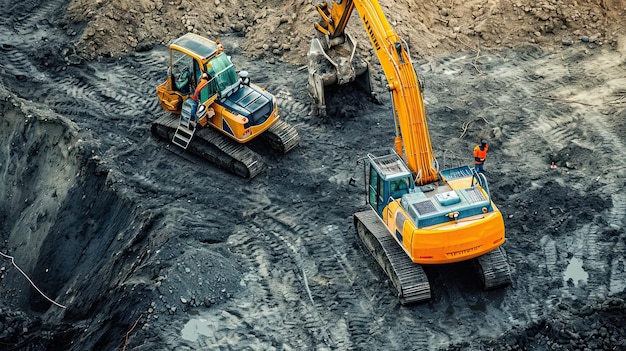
x: 605, y: 167
x: 321, y: 273
x: 36, y: 12
x: 276, y: 305
x: 348, y: 306
x: 112, y: 99
x: 292, y: 110
x: 533, y: 116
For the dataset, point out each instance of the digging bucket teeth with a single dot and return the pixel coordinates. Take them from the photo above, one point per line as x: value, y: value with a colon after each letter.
x: 334, y: 62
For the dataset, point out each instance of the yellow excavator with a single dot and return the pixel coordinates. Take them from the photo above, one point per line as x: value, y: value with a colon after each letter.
x: 420, y: 215
x: 214, y: 111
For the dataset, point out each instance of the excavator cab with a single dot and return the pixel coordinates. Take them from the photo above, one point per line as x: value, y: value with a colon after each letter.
x: 389, y: 179
x: 238, y: 109
x: 190, y: 56
x: 205, y: 99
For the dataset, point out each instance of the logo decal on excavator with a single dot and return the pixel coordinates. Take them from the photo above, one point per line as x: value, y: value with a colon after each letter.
x: 463, y: 252
x: 370, y: 31
x: 226, y: 127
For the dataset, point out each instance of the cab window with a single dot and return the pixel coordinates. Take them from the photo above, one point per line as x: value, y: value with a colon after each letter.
x: 399, y: 187
x: 182, y: 72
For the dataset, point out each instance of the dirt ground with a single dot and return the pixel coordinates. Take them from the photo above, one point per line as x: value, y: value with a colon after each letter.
x: 142, y: 247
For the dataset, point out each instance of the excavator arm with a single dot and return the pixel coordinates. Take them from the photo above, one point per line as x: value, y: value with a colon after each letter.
x: 335, y: 18
x: 412, y: 137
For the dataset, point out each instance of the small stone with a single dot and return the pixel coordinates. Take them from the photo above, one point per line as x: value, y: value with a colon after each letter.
x: 183, y: 300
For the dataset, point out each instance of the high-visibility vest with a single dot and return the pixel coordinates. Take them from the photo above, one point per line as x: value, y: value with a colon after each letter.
x: 481, y: 154
x: 196, y: 95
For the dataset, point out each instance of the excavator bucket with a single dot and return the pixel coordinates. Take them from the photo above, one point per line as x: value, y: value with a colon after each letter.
x: 334, y: 62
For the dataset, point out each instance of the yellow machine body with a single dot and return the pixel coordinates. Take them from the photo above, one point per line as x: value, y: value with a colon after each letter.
x: 234, y: 107
x: 447, y: 242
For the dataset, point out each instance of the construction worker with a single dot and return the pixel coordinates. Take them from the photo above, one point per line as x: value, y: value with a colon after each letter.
x: 204, y: 80
x: 201, y: 112
x: 480, y: 154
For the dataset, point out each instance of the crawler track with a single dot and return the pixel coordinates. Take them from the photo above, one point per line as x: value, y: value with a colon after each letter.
x: 213, y: 146
x: 407, y: 277
x: 282, y: 136
x: 494, y: 269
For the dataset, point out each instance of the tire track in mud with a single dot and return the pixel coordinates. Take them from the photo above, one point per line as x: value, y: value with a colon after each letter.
x: 107, y: 90
x: 119, y: 94
x: 29, y: 33
x: 293, y: 111
x: 17, y: 65
x: 537, y: 125
x: 617, y: 277
x: 36, y: 13
x: 591, y: 241
x: 599, y: 241
x: 334, y: 284
x: 328, y: 306
x: 581, y: 124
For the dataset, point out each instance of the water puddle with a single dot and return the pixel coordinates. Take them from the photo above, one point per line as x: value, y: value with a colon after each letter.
x: 575, y: 272
x: 195, y: 327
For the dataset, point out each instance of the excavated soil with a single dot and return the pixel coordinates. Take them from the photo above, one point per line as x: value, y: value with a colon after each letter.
x: 113, y: 240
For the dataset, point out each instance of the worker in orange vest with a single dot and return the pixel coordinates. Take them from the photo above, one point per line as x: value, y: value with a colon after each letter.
x: 201, y: 113
x: 480, y: 154
x: 204, y: 80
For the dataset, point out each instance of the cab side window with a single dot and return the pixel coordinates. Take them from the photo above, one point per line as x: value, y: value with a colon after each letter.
x: 182, y: 72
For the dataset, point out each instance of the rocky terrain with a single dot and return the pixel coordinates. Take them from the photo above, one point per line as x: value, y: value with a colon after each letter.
x: 134, y: 245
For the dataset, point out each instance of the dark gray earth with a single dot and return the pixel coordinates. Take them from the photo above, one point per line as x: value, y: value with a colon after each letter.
x: 148, y: 248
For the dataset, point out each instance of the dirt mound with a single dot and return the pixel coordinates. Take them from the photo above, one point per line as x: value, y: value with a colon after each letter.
x: 279, y: 30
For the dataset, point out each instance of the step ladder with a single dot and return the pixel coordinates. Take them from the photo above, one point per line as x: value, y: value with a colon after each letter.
x: 186, y: 125
x: 184, y: 134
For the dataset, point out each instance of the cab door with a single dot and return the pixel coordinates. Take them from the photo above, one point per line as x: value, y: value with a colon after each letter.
x: 185, y: 72
x: 378, y: 191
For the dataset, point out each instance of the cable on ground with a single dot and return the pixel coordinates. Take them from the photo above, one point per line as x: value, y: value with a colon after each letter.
x: 31, y: 282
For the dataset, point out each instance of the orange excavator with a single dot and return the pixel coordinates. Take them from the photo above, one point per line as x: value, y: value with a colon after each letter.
x: 214, y: 111
x: 419, y: 215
